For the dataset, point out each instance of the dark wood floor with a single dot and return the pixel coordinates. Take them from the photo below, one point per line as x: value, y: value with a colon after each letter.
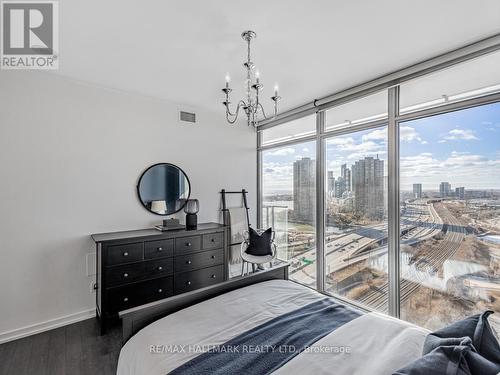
x: 75, y: 349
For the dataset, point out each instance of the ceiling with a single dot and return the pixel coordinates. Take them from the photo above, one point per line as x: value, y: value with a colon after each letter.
x: 181, y: 50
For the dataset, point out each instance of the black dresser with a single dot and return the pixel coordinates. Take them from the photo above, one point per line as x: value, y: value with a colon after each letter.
x: 142, y: 266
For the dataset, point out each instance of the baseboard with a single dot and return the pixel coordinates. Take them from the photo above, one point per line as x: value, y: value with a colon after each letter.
x: 45, y: 326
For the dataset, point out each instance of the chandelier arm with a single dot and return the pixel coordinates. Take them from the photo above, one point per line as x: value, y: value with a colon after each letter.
x: 228, y: 111
x: 241, y: 103
x: 237, y: 109
x: 263, y: 111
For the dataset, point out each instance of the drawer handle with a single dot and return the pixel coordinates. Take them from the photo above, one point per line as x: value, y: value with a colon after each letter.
x: 213, y: 240
x: 213, y: 276
x: 213, y: 257
x: 188, y: 244
x: 125, y: 275
x: 160, y: 249
x: 125, y: 254
x: 160, y: 290
x: 188, y: 262
x: 125, y: 299
x: 160, y: 268
x: 188, y: 283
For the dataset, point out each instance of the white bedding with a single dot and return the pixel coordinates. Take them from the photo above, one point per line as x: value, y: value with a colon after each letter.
x: 377, y: 344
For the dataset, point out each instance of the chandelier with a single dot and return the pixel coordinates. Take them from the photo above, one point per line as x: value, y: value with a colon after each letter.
x: 252, y: 105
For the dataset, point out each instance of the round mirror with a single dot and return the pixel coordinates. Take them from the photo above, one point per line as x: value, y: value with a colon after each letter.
x: 163, y: 189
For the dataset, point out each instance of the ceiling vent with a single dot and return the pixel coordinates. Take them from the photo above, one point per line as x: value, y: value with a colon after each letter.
x: 185, y: 116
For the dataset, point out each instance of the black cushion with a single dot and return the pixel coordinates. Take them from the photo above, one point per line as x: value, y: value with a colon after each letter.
x: 260, y: 245
x: 466, y: 347
x: 476, y: 327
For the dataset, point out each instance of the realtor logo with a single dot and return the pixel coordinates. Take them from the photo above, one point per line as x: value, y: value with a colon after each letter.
x: 30, y: 35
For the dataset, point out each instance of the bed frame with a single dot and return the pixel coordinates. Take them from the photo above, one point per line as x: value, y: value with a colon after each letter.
x: 136, y: 318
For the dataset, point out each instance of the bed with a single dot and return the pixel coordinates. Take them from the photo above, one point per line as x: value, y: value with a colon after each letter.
x: 369, y: 343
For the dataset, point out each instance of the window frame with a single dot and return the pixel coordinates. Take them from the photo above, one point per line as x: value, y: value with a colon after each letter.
x: 393, y: 122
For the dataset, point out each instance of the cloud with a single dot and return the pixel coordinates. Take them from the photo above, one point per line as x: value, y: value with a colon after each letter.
x: 409, y: 134
x: 461, y: 134
x: 305, y: 149
x: 341, y: 141
x: 406, y: 134
x: 376, y: 135
x: 466, y: 169
x: 341, y: 150
x: 349, y: 145
x: 463, y: 159
x: 277, y: 176
x: 282, y: 152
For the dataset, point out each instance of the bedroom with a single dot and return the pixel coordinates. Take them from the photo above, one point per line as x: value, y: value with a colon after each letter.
x: 365, y: 135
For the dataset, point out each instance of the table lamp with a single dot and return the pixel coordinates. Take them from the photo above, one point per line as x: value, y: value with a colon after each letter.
x: 191, y: 209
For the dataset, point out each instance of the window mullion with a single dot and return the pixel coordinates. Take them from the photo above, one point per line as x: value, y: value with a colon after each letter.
x: 393, y: 203
x: 320, y: 202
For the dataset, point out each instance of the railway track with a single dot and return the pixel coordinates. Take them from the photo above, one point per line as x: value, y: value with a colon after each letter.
x: 413, y: 278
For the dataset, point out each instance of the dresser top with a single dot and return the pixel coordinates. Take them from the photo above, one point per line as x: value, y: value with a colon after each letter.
x: 151, y: 232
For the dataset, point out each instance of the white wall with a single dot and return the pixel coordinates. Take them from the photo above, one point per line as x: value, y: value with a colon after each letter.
x: 70, y: 157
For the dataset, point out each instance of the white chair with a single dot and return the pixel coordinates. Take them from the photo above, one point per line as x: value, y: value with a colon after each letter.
x: 255, y: 259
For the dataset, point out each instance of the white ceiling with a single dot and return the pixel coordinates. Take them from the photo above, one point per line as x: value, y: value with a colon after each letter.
x: 181, y: 50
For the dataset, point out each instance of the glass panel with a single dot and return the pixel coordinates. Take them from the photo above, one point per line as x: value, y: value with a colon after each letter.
x: 289, y: 206
x: 367, y: 109
x: 299, y: 128
x: 356, y: 217
x: 473, y: 78
x: 450, y: 216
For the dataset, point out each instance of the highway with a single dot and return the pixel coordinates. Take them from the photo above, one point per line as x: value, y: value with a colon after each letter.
x: 420, y: 222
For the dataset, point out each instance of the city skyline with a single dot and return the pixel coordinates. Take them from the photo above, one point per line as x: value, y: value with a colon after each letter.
x: 460, y: 148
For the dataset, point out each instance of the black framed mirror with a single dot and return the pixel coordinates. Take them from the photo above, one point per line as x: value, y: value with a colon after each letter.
x: 163, y: 189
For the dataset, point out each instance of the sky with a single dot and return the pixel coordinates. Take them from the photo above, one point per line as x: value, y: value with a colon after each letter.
x: 461, y: 147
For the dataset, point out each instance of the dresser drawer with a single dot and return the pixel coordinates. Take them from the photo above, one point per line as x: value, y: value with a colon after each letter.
x: 196, y: 261
x: 212, y: 240
x: 159, y: 267
x: 125, y: 297
x: 186, y: 245
x: 124, y: 274
x: 118, y: 254
x: 187, y: 281
x: 158, y: 249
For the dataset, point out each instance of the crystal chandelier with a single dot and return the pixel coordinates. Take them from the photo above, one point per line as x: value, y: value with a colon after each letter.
x: 252, y: 105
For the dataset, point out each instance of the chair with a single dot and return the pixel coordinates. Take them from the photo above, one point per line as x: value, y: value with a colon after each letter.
x: 255, y: 259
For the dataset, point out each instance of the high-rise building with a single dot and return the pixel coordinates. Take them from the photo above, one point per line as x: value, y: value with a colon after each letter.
x: 444, y: 189
x: 340, y: 187
x: 460, y: 193
x: 417, y: 191
x: 331, y: 184
x: 304, y: 188
x: 368, y: 187
x: 345, y: 173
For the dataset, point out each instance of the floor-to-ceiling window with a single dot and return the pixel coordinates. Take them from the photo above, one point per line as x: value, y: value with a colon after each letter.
x: 450, y: 212
x: 289, y: 199
x: 446, y: 162
x: 356, y: 217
